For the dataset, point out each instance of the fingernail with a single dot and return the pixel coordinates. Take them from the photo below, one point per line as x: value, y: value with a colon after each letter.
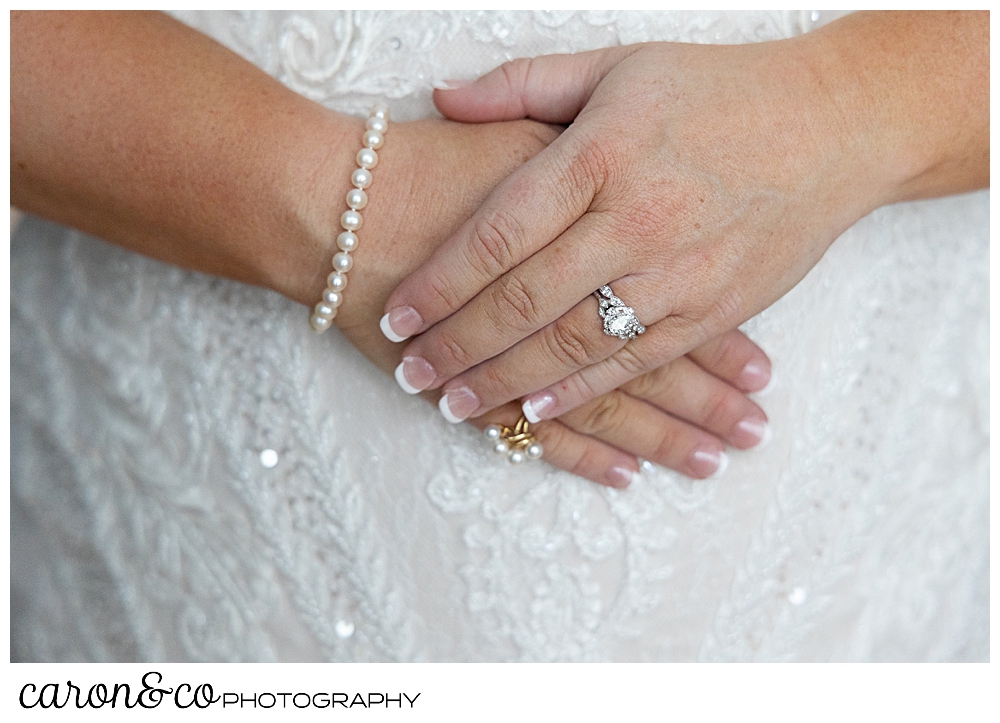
x: 754, y: 377
x: 452, y: 84
x: 709, y: 462
x: 457, y: 404
x: 770, y: 386
x: 620, y: 477
x: 535, y: 406
x: 756, y: 433
x: 401, y: 323
x: 414, y: 374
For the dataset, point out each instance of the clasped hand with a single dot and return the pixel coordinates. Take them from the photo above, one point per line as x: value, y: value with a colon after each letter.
x: 680, y: 415
x: 691, y: 181
x: 700, y: 182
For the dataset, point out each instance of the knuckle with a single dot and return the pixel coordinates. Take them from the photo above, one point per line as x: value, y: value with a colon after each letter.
x: 496, y: 384
x: 661, y: 382
x: 441, y: 291
x: 594, y: 166
x: 451, y: 352
x: 510, y: 295
x: 570, y: 346
x: 585, y: 463
x: 605, y: 414
x: 666, y: 450
x: 644, y: 386
x: 515, y: 72
x: 730, y: 353
x: 580, y: 387
x: 630, y: 362
x: 722, y: 409
x: 727, y: 305
x: 494, y: 236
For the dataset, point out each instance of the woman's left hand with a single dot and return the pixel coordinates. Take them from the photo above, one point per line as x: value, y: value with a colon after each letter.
x: 700, y: 182
x: 681, y: 415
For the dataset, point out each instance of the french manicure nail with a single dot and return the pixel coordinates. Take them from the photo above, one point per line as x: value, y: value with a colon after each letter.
x: 710, y: 463
x: 535, y: 406
x: 754, y: 377
x: 769, y: 388
x: 758, y: 430
x: 620, y: 477
x: 723, y: 465
x: 452, y: 84
x: 414, y: 374
x: 457, y: 404
x: 401, y: 323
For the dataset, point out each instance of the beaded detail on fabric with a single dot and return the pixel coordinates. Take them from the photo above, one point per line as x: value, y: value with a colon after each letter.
x: 376, y: 127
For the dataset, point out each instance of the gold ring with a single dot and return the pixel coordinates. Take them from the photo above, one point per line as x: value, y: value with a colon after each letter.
x: 518, y: 443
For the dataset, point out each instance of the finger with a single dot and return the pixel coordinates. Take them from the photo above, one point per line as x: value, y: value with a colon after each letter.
x: 686, y: 391
x: 529, y: 209
x: 733, y: 357
x: 664, y: 341
x: 522, y: 301
x: 571, y: 451
x: 550, y: 88
x: 640, y: 428
x: 572, y: 342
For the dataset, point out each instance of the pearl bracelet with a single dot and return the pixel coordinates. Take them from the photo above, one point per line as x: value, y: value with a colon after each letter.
x: 376, y: 127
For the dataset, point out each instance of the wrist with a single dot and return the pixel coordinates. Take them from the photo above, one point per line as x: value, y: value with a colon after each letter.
x: 900, y: 85
x: 308, y: 197
x: 315, y: 198
x: 423, y: 189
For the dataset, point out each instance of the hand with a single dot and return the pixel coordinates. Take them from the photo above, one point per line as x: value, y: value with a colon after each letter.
x: 701, y: 182
x: 680, y: 415
x: 225, y: 171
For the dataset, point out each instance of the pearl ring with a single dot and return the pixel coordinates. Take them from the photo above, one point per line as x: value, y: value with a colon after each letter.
x: 517, y: 443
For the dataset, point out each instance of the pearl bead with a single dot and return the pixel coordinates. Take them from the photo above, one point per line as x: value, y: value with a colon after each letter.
x: 336, y: 281
x: 377, y: 124
x: 351, y: 220
x: 515, y: 457
x: 362, y: 178
x: 367, y: 158
x: 324, y: 310
x: 357, y: 199
x: 347, y: 241
x: 534, y: 450
x: 318, y: 323
x: 492, y: 432
x: 343, y: 262
x: 501, y: 447
x: 373, y: 138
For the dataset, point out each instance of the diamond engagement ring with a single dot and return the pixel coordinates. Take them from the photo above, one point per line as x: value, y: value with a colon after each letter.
x: 619, y: 319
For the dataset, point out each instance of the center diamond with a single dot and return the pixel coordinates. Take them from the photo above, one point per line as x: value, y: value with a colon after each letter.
x: 618, y: 324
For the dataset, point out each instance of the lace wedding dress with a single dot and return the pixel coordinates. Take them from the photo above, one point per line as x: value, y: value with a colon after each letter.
x: 190, y: 482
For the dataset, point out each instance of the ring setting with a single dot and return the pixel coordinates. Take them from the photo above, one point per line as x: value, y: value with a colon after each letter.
x: 619, y: 318
x: 518, y: 443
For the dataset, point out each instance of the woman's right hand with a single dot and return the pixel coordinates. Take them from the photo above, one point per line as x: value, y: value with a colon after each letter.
x: 430, y: 177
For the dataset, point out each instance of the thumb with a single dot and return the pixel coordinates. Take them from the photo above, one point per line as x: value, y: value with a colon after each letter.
x: 549, y: 88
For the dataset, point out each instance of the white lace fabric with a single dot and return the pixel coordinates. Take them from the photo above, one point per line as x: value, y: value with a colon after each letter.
x: 145, y: 527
